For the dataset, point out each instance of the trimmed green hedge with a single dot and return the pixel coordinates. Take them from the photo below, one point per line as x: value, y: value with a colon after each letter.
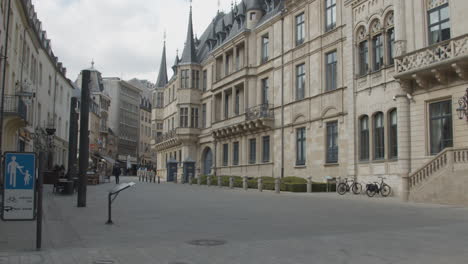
x: 288, y: 184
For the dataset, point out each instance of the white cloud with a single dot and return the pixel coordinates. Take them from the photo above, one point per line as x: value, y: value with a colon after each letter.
x: 124, y: 37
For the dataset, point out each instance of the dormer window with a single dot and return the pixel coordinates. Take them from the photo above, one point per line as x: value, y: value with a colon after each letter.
x: 253, y: 16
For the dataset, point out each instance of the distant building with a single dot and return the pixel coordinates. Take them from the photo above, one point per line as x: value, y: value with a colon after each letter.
x: 145, y: 157
x: 124, y: 117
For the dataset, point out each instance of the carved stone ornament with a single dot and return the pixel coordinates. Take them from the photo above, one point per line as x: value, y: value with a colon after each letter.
x: 376, y: 27
x: 435, y: 3
x: 361, y: 34
x: 400, y: 48
x: 389, y: 22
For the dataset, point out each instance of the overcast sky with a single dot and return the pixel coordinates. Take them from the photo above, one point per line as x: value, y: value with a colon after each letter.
x: 124, y: 37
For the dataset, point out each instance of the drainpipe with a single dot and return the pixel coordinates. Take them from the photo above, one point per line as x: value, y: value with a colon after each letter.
x: 2, y: 104
x: 283, y: 11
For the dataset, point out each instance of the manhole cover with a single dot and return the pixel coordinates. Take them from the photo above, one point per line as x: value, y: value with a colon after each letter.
x: 207, y: 242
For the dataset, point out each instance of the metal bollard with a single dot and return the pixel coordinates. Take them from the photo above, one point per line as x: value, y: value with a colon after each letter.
x: 260, y: 184
x: 219, y: 181
x: 208, y: 180
x: 159, y: 180
x: 199, y: 180
x: 244, y: 183
x: 175, y: 177
x: 190, y: 179
x: 277, y: 185
x: 231, y: 182
x: 309, y: 184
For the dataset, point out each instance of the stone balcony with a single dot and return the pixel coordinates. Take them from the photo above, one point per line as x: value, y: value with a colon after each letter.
x: 256, y: 119
x: 439, y: 63
x: 176, y: 137
x: 14, y: 106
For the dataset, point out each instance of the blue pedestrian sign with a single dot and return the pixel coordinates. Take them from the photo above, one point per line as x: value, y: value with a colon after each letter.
x: 19, y: 170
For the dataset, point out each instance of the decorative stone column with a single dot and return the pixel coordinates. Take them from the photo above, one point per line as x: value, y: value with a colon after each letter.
x: 277, y: 185
x: 309, y: 184
x: 400, y: 27
x: 404, y: 142
x: 231, y: 182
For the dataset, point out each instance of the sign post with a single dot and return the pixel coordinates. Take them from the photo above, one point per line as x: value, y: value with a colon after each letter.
x: 19, y: 199
x: 111, y: 197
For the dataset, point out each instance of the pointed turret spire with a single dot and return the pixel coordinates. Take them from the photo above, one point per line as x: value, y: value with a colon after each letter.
x: 162, y: 77
x: 189, y: 55
x: 176, y: 62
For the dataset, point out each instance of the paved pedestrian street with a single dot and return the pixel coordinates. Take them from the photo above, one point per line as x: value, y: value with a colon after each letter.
x: 171, y: 223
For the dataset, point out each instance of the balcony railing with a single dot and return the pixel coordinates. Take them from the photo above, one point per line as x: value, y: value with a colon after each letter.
x: 260, y: 111
x: 14, y: 105
x: 439, y: 52
x: 166, y: 136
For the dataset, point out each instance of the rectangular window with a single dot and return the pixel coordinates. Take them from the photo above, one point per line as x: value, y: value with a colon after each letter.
x: 252, y: 151
x: 194, y: 118
x: 393, y: 135
x: 441, y: 129
x: 439, y: 24
x: 225, y: 154
x: 237, y: 106
x: 226, y: 106
x: 185, y: 79
x: 378, y: 55
x: 300, y: 82
x: 195, y: 80
x: 204, y: 116
x: 266, y: 149
x: 331, y: 70
x: 183, y: 117
x: 235, y: 153
x: 265, y: 91
x: 265, y: 41
x: 363, y: 61
x: 330, y: 14
x: 300, y: 146
x: 391, y: 46
x: 205, y: 80
x: 364, y: 139
x: 300, y: 29
x: 332, y: 142
x: 379, y: 137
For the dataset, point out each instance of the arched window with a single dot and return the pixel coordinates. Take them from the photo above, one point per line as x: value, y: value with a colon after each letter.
x: 363, y: 50
x: 377, y: 46
x: 364, y: 138
x: 393, y: 134
x: 379, y: 136
x: 390, y: 38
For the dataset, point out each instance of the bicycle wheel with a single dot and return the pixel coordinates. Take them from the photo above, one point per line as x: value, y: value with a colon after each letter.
x: 357, y: 188
x: 342, y: 188
x: 370, y: 190
x: 386, y: 190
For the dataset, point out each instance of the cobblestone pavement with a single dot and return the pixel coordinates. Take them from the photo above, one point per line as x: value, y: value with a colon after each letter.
x: 171, y: 223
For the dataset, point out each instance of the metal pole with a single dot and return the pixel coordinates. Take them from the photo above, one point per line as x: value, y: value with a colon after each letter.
x: 2, y: 104
x: 282, y: 93
x: 73, y: 139
x: 84, y: 139
x: 109, y: 210
x: 40, y: 182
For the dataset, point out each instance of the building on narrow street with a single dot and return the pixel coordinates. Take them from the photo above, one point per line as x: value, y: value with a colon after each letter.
x: 124, y: 118
x: 37, y: 90
x: 322, y: 89
x: 145, y: 157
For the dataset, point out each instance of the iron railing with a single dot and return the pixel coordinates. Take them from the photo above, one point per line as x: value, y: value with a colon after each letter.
x: 260, y: 111
x: 166, y: 136
x: 14, y: 105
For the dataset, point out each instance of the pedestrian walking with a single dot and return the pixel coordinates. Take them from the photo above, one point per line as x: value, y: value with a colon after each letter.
x: 116, y: 171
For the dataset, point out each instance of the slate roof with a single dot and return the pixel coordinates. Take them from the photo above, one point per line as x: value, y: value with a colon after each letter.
x: 162, y: 76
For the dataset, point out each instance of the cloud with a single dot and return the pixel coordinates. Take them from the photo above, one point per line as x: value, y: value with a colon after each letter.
x: 124, y: 37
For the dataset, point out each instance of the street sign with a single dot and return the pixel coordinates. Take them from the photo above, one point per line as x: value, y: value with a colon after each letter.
x: 18, y: 202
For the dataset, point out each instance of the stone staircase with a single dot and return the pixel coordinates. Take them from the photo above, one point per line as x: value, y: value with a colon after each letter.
x: 443, y: 180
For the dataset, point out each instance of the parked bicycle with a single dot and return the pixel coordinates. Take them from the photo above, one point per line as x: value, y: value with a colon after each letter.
x: 382, y: 188
x: 349, y: 185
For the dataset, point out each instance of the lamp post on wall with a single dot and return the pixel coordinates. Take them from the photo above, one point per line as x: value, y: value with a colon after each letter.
x: 463, y: 109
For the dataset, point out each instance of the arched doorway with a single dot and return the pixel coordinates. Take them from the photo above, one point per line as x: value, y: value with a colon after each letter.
x: 207, y: 160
